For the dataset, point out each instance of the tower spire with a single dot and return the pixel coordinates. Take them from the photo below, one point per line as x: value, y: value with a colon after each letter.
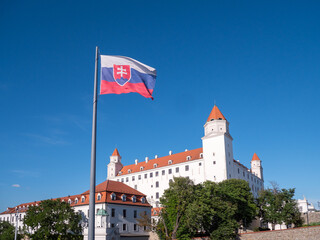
x: 215, y: 114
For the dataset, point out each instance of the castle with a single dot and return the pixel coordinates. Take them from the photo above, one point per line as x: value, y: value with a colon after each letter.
x: 213, y: 161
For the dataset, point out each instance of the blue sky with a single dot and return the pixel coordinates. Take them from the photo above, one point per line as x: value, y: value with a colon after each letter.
x: 259, y: 61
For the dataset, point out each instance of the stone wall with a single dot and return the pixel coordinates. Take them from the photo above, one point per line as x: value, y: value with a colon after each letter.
x: 313, y: 217
x: 303, y: 233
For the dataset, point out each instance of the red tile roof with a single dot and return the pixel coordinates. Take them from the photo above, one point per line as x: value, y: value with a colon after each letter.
x: 105, y: 189
x: 156, y: 211
x: 162, y: 161
x: 255, y: 157
x: 115, y: 152
x: 215, y: 114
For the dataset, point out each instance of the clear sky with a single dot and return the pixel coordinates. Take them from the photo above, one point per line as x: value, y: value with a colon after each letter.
x: 257, y: 60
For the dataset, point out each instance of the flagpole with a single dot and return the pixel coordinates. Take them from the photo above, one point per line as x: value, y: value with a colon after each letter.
x: 93, y: 154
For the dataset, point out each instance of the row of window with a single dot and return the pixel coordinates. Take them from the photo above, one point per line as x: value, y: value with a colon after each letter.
x: 156, y: 174
x: 125, y: 227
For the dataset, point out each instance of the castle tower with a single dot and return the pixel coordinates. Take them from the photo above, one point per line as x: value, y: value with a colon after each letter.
x: 115, y: 164
x: 256, y: 167
x: 217, y: 147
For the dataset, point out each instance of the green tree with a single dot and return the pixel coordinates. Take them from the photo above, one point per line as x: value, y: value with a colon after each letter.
x: 53, y: 219
x: 278, y: 206
x: 175, y: 201
x: 7, y: 231
x: 220, y: 208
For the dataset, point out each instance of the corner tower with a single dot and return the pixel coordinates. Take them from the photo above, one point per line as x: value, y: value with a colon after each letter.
x: 256, y: 167
x: 115, y: 164
x: 217, y: 147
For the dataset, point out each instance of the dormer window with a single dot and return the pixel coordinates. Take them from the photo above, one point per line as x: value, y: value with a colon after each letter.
x: 113, y: 196
x: 143, y: 200
x: 201, y: 155
x: 129, y: 171
x: 99, y: 197
x: 82, y: 199
x: 76, y: 201
x: 170, y: 162
x: 124, y: 197
x: 188, y: 158
x: 120, y: 173
x: 141, y: 168
x: 69, y: 201
x: 134, y: 199
x: 155, y: 165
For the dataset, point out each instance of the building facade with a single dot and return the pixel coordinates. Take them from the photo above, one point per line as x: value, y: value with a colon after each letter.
x: 213, y: 161
x: 117, y: 208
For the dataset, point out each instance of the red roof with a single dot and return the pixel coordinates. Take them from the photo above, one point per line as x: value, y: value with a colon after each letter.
x: 156, y: 211
x: 105, y: 189
x: 162, y: 161
x: 215, y: 114
x: 115, y: 152
x: 255, y: 157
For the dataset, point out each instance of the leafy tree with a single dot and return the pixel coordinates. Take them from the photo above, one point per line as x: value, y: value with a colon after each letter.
x: 7, y: 231
x: 53, y: 219
x: 175, y: 201
x: 278, y: 206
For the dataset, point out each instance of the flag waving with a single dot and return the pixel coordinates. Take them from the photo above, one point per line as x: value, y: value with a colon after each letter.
x: 124, y: 75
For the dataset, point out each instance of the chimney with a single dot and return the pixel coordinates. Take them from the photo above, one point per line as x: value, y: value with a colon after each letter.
x: 136, y: 162
x: 147, y: 159
x: 170, y: 152
x: 186, y: 150
x: 156, y: 156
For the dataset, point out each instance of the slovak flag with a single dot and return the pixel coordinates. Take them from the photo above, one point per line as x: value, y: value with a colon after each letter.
x: 124, y: 75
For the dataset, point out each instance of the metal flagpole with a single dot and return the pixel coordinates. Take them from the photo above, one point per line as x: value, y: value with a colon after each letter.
x: 93, y: 154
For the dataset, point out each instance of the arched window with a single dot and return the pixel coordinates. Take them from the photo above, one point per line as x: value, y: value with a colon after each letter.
x: 170, y: 162
x: 99, y: 197
x: 143, y: 199
x: 124, y: 197
x: 82, y: 199
x: 188, y: 158
x: 141, y: 168
x: 201, y: 155
x: 69, y: 201
x: 76, y: 201
x: 129, y: 171
x: 134, y: 199
x: 155, y: 165
x: 113, y: 196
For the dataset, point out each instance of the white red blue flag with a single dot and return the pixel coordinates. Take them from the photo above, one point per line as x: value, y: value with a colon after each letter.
x: 124, y: 75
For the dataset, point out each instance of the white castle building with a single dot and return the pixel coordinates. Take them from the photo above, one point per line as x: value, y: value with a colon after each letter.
x: 213, y: 161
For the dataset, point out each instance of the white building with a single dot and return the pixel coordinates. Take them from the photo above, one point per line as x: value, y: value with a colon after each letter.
x: 213, y: 161
x: 305, y: 206
x: 118, y: 207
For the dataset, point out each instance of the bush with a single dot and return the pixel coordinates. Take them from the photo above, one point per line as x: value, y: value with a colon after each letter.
x: 260, y: 229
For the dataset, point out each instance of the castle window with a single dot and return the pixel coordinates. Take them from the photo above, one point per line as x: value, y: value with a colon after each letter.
x: 129, y: 171
x: 170, y: 171
x: 99, y: 197
x: 200, y: 164
x: 139, y: 177
x: 157, y: 174
x: 186, y: 168
x: 120, y: 173
x: 146, y: 175
x: 170, y: 162
x: 163, y: 172
x: 69, y: 201
x: 135, y: 214
x: 239, y: 172
x: 151, y: 174
x: 141, y: 168
x: 122, y: 179
x: 214, y: 162
x: 82, y: 199
x: 157, y: 195
x: 76, y: 201
x: 127, y: 179
x: 157, y: 184
x: 155, y: 165
x: 188, y: 158
x: 177, y: 169
x: 113, y: 212
x: 201, y: 155
x: 124, y: 197
x: 124, y: 213
x: 134, y: 199
x: 213, y: 154
x: 113, y: 196
x: 143, y: 199
x: 135, y: 186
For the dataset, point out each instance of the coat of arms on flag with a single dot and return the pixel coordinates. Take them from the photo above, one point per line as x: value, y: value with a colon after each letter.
x: 121, y: 74
x: 124, y: 75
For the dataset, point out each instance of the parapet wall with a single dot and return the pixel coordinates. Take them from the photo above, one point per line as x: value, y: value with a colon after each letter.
x: 303, y: 233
